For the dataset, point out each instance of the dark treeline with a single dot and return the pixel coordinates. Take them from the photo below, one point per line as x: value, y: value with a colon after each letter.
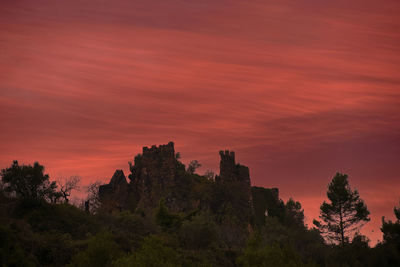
x: 164, y: 214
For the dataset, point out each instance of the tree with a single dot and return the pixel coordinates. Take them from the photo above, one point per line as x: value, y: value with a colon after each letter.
x: 391, y: 230
x: 294, y: 214
x: 166, y: 219
x: 67, y: 185
x: 193, y: 165
x: 28, y: 182
x: 346, y: 212
x: 153, y: 252
x: 199, y: 232
x: 102, y: 250
x: 93, y: 199
x: 256, y: 253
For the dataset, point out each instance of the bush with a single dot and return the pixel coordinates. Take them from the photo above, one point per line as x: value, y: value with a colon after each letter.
x: 28, y: 182
x: 102, y: 250
x: 199, y: 233
x: 270, y: 255
x: 63, y: 218
x: 11, y: 253
x: 153, y: 253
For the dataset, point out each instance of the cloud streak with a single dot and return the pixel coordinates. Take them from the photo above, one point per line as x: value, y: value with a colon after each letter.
x: 300, y: 90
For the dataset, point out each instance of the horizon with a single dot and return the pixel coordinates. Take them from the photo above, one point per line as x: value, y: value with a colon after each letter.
x: 79, y: 195
x: 299, y: 91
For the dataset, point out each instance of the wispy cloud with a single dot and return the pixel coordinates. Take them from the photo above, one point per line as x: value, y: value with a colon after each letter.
x: 299, y: 89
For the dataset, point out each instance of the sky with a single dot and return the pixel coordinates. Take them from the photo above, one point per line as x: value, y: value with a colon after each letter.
x: 299, y: 90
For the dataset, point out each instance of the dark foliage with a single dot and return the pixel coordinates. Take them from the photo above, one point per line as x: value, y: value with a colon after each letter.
x: 197, y: 221
x: 345, y: 213
x: 391, y: 230
x: 28, y: 182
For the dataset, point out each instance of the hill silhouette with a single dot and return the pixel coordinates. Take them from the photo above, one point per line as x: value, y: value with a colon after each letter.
x: 164, y: 214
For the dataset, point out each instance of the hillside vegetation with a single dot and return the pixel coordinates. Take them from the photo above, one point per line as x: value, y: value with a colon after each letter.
x: 164, y: 214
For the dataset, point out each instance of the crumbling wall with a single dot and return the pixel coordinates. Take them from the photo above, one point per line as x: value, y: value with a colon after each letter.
x: 232, y: 172
x: 115, y: 194
x: 266, y: 203
x: 154, y: 174
x: 235, y: 179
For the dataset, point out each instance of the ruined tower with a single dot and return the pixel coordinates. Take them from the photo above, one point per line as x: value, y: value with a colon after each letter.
x: 115, y: 194
x: 232, y: 172
x: 235, y: 178
x: 154, y: 174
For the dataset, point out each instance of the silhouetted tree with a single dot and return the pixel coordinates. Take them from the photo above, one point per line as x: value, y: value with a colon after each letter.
x: 391, y: 230
x: 28, y: 181
x: 345, y: 213
x: 93, y: 198
x: 67, y: 185
x: 193, y: 165
x: 294, y: 214
x: 355, y: 253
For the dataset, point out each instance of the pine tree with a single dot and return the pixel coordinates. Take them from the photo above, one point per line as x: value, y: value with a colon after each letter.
x: 391, y: 230
x: 345, y: 214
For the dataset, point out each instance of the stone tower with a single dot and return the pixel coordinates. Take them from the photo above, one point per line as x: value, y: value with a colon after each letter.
x: 232, y: 172
x: 153, y: 174
x: 236, y: 179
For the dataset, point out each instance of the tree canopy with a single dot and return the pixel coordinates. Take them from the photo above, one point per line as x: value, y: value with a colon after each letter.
x: 345, y: 213
x: 212, y: 232
x: 28, y: 181
x: 391, y: 230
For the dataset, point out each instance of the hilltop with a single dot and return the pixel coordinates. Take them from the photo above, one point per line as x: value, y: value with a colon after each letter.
x: 164, y: 214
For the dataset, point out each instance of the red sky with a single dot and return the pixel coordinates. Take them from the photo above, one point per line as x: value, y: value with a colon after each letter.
x: 299, y: 89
